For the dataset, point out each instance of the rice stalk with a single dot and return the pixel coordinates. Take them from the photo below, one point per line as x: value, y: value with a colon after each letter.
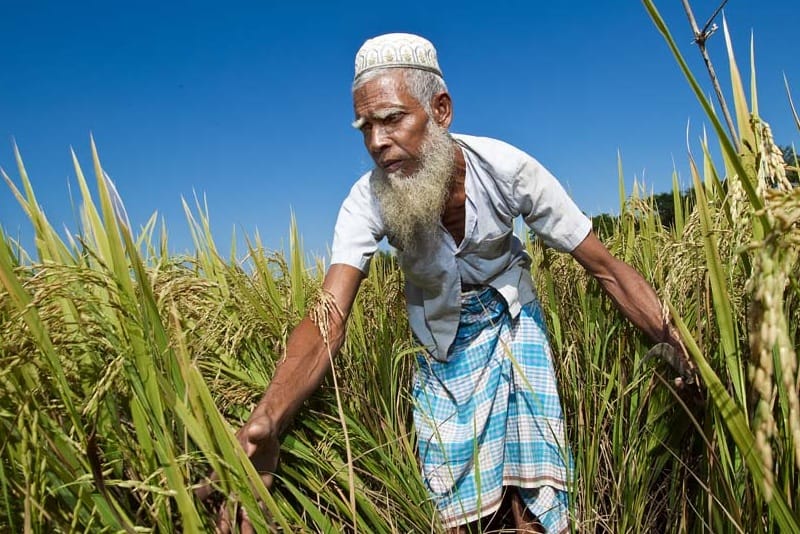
x: 320, y: 314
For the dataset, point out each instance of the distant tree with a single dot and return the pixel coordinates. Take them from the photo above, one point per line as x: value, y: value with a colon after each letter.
x: 791, y: 158
x: 603, y: 224
x: 665, y: 206
x: 389, y: 259
x: 664, y: 203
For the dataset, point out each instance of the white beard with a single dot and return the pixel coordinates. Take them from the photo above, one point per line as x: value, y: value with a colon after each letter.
x: 412, y: 205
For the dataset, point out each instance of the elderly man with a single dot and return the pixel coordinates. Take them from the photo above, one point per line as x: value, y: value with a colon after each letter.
x: 486, y: 407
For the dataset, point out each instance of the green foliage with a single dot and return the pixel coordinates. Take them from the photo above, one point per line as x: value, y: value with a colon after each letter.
x: 124, y: 376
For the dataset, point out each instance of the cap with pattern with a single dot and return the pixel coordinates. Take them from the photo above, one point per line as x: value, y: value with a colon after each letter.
x: 396, y: 50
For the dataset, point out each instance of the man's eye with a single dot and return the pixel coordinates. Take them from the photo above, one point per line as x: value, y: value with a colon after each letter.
x: 393, y: 118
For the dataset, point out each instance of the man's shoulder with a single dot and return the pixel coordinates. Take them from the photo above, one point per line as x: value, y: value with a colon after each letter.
x: 483, y: 142
x: 361, y: 192
x: 362, y: 184
x: 497, y: 154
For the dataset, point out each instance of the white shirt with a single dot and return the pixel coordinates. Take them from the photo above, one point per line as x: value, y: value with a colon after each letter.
x: 501, y: 183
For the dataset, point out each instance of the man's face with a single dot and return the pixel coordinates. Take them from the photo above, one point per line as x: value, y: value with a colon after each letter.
x: 414, y: 155
x: 392, y: 122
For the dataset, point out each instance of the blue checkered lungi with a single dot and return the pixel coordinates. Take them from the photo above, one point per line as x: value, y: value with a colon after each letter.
x: 491, y: 417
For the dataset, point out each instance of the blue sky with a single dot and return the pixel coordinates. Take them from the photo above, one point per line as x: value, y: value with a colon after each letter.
x: 248, y: 103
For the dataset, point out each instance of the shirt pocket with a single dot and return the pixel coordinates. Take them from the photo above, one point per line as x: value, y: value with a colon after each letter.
x: 483, y: 260
x: 493, y: 247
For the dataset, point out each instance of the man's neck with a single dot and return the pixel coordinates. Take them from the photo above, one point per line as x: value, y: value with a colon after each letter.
x: 459, y: 173
x: 454, y: 215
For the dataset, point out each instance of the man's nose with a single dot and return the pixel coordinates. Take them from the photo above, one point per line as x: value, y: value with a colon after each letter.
x: 377, y: 140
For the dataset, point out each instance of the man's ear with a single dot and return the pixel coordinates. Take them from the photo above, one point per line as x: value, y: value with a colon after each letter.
x: 442, y: 109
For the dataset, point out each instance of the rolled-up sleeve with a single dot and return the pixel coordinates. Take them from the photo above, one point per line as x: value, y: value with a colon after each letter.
x: 547, y: 208
x: 359, y: 227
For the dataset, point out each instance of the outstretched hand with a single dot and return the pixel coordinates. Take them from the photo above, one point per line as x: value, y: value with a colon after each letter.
x: 687, y: 382
x: 259, y: 440
x: 677, y: 359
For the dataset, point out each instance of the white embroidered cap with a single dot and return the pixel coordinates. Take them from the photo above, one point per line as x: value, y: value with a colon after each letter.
x: 396, y: 50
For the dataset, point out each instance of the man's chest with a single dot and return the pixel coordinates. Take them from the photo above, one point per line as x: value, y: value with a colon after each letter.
x: 454, y: 216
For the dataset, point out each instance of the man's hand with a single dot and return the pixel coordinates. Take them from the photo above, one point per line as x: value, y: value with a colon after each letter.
x: 299, y: 373
x: 687, y: 382
x: 259, y: 440
x: 638, y: 301
x: 677, y: 359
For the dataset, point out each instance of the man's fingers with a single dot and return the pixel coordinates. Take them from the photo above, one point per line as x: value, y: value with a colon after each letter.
x: 204, y: 492
x: 223, y: 520
x: 678, y: 360
x: 246, y: 525
x: 206, y: 488
x: 258, y: 440
x: 233, y: 513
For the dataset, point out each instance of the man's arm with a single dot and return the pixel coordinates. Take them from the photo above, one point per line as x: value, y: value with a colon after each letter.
x: 629, y: 291
x: 307, y: 357
x: 296, y: 378
x: 298, y: 375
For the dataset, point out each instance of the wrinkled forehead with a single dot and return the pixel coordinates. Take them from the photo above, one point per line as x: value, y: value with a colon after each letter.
x: 383, y: 90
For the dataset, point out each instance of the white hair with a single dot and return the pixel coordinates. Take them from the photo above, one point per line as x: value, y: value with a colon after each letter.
x: 423, y: 85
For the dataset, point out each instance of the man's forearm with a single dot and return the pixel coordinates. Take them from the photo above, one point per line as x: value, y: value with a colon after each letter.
x: 638, y: 301
x: 633, y: 296
x: 300, y: 373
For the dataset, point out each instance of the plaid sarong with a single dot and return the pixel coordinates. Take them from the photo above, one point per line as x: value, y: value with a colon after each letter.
x: 491, y: 417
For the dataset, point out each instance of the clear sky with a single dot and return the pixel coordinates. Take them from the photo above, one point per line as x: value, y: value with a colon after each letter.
x: 248, y: 103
